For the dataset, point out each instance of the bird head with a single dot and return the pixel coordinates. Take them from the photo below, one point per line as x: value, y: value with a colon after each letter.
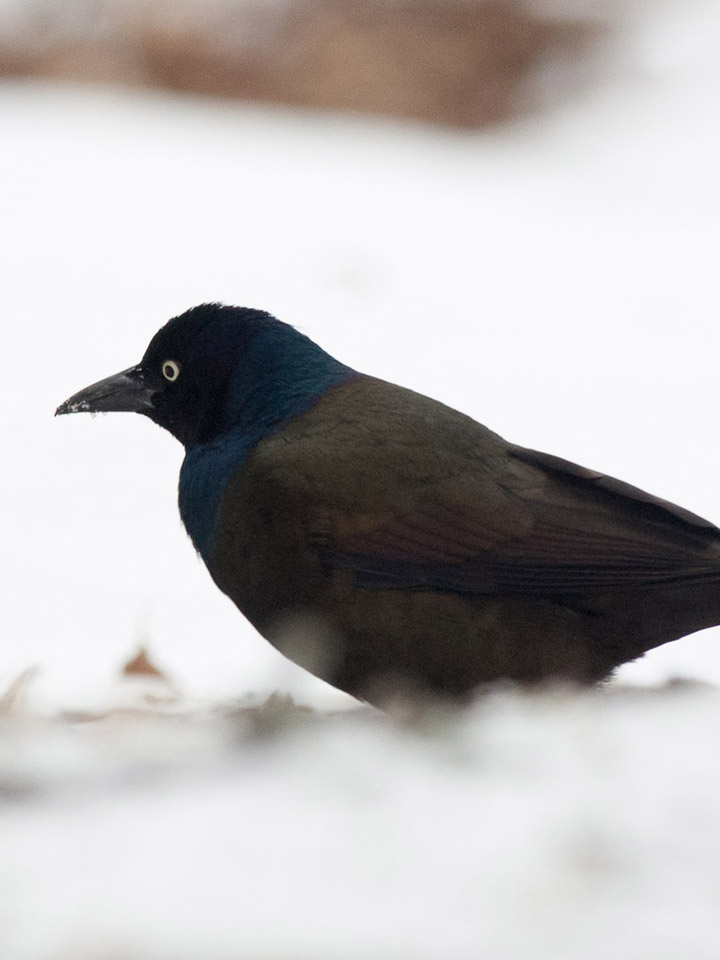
x: 213, y: 369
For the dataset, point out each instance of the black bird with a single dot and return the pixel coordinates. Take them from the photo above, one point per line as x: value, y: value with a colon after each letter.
x: 389, y: 543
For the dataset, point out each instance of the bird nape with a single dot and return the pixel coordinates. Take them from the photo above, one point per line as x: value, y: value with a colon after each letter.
x: 392, y: 545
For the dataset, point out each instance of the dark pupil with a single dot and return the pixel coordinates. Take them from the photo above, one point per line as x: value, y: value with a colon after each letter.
x: 169, y: 371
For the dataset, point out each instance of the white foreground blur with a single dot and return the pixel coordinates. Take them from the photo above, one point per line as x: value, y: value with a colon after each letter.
x: 549, y: 827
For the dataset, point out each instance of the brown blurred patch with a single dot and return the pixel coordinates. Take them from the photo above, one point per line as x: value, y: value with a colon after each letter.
x: 461, y: 62
x: 456, y: 62
x: 142, y: 666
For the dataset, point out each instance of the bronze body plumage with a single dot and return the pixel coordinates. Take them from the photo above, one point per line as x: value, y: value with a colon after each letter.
x: 429, y: 553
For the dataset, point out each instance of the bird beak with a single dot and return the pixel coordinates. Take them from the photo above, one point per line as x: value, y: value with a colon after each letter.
x: 128, y: 391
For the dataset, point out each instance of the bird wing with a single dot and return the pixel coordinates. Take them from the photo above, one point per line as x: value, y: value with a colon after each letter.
x: 543, y: 526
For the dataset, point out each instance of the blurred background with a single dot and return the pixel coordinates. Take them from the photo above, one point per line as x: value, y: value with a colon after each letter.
x: 457, y: 62
x: 510, y: 205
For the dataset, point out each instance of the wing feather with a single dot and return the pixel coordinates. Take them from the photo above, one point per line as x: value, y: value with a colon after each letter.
x: 548, y: 528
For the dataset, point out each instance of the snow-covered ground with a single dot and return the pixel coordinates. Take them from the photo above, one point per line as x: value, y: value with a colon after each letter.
x: 556, y: 279
x: 552, y: 828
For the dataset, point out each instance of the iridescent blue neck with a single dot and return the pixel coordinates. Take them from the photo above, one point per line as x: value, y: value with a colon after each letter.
x: 282, y: 375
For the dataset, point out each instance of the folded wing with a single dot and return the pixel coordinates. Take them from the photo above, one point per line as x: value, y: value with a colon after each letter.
x: 543, y: 527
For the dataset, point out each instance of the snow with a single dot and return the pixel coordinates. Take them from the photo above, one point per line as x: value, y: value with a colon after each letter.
x: 560, y: 826
x: 556, y: 279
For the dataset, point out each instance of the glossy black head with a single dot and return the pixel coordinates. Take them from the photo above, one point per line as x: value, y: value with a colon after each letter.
x: 183, y: 379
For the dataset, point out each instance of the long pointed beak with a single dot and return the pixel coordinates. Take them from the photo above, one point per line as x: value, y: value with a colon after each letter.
x: 128, y: 392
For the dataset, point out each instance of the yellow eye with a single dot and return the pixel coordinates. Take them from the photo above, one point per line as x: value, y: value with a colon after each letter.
x: 171, y: 370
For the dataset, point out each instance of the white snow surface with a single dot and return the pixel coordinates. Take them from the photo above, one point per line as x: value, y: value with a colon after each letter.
x: 561, y: 826
x: 556, y: 279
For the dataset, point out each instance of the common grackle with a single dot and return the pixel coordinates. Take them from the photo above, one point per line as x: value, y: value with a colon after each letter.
x: 388, y: 543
